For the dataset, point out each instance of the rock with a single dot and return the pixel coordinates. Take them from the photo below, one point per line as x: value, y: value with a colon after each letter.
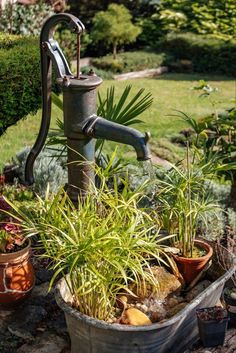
x: 43, y: 275
x: 200, y: 287
x: 4, y: 318
x: 167, y: 284
x: 133, y: 316
x: 46, y: 343
x: 25, y: 320
x: 173, y: 311
x: 58, y: 324
x: 172, y: 302
x: 40, y: 296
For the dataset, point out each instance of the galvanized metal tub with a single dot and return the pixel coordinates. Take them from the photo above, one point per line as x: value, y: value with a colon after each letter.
x: 174, y: 335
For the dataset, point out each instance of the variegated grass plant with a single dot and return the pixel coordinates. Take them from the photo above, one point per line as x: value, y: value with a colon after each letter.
x: 101, y: 246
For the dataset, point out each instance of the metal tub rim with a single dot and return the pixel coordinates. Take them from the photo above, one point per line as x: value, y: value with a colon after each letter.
x: 69, y: 310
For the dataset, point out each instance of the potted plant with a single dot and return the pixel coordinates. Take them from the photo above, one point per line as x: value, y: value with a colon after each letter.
x: 212, y: 324
x: 183, y: 202
x: 101, y: 248
x: 16, y: 271
x: 230, y: 301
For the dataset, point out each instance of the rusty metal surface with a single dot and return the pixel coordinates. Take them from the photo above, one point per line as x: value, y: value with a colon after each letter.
x: 49, y: 49
x: 174, y: 335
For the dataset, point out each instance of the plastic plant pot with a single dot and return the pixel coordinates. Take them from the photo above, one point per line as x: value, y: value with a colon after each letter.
x: 212, y: 325
x: 230, y: 305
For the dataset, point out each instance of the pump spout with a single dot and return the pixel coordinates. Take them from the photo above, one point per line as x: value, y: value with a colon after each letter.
x: 98, y: 127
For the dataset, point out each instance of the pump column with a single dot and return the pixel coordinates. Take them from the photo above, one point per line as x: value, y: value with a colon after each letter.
x: 79, y: 103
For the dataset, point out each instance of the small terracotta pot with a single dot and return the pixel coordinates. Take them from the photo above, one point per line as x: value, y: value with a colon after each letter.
x: 191, y: 267
x: 16, y: 276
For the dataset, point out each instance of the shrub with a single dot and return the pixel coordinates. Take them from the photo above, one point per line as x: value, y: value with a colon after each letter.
x: 130, y: 61
x: 27, y: 20
x: 19, y: 79
x: 207, y: 53
x: 104, y: 74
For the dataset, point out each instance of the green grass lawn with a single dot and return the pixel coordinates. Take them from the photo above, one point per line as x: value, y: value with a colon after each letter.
x: 170, y: 92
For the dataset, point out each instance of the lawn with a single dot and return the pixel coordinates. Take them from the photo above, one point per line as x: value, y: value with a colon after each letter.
x: 170, y: 92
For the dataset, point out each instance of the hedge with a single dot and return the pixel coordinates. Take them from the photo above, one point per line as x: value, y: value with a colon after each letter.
x: 208, y: 54
x: 130, y: 61
x: 20, y: 83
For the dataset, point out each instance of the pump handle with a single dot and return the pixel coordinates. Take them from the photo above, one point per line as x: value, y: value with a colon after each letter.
x: 50, y: 53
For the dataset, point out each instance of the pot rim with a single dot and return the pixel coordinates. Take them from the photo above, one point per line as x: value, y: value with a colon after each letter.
x: 13, y: 256
x: 193, y: 259
x: 176, y: 319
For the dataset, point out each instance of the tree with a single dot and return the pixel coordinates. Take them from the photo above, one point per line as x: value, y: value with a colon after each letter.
x: 114, y: 27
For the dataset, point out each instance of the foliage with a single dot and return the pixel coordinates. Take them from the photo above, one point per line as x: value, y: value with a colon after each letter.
x: 104, y: 74
x: 184, y: 199
x: 11, y: 238
x: 215, y: 134
x: 123, y: 111
x: 207, y: 53
x: 130, y: 61
x: 114, y: 27
x: 47, y: 170
x: 20, y: 79
x: 25, y: 20
x: 15, y: 192
x: 202, y: 16
x: 68, y: 42
x: 216, y: 313
x: 100, y: 246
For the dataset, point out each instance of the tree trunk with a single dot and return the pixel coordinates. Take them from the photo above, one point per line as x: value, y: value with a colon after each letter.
x: 232, y: 195
x: 114, y: 50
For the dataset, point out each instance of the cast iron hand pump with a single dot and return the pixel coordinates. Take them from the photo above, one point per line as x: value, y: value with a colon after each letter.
x: 81, y: 124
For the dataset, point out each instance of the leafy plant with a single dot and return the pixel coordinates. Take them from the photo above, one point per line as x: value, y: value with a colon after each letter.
x: 184, y: 200
x: 100, y: 246
x: 26, y: 20
x: 114, y: 27
x: 122, y: 111
x: 216, y: 136
x: 18, y: 97
x: 11, y: 237
x: 216, y: 313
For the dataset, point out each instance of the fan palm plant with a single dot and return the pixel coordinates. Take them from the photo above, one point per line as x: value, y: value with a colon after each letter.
x: 123, y: 110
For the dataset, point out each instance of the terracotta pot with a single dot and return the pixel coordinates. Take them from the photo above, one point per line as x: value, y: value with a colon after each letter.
x: 16, y: 276
x: 191, y: 267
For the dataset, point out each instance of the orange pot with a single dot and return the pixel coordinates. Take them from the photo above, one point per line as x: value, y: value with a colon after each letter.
x: 16, y: 276
x: 191, y: 267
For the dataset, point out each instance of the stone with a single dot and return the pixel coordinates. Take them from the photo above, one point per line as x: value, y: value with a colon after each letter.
x: 173, y: 311
x: 43, y: 275
x: 136, y: 317
x: 166, y: 284
x: 58, y: 324
x: 46, y: 343
x: 25, y: 321
x: 4, y: 318
x: 200, y: 287
x: 41, y: 296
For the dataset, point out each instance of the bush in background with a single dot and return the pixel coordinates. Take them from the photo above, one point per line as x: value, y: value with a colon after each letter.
x: 130, y: 61
x: 20, y: 83
x: 207, y: 53
x: 24, y: 19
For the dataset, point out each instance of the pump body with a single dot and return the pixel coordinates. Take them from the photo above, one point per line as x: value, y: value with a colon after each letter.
x: 81, y: 125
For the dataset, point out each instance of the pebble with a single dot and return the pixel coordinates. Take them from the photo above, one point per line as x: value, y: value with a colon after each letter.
x: 133, y: 316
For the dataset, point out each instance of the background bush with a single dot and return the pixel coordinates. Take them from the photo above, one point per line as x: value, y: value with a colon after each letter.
x: 207, y: 53
x: 26, y: 20
x: 130, y: 61
x: 20, y: 83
